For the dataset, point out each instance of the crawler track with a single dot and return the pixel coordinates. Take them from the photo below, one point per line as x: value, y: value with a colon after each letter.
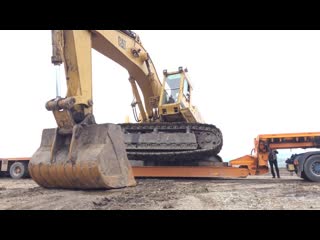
x: 173, y: 142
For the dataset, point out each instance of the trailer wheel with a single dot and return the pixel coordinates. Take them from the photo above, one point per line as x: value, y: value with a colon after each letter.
x: 18, y: 170
x: 26, y: 167
x: 312, y: 169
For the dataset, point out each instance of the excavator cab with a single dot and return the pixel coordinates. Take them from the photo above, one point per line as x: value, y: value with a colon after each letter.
x: 175, y: 101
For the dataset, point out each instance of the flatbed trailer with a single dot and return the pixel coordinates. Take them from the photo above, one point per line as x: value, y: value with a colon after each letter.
x: 18, y: 168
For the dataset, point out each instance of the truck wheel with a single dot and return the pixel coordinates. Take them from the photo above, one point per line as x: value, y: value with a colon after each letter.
x: 312, y: 168
x: 18, y: 170
x: 303, y: 175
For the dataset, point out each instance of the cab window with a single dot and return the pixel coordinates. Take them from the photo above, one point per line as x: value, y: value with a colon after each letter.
x: 186, y: 90
x: 172, y: 86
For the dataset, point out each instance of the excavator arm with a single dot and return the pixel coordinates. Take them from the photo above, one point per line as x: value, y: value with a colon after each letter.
x: 80, y: 153
x: 73, y: 48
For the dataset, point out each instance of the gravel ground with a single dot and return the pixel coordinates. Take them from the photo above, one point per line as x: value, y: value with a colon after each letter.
x: 254, y: 192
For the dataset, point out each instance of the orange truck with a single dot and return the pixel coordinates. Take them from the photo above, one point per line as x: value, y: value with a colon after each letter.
x: 14, y: 167
x: 305, y: 165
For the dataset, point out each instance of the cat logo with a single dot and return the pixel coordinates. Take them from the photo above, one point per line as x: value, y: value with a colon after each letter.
x: 122, y: 42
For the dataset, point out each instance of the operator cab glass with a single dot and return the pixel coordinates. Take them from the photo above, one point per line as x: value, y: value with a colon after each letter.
x: 186, y: 90
x: 171, y: 89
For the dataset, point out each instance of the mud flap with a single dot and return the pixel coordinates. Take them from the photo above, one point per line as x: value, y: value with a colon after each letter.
x: 97, y: 159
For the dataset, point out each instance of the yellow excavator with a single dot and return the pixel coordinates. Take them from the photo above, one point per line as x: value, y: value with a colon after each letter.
x: 81, y: 154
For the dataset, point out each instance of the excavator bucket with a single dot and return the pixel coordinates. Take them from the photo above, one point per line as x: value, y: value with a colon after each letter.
x: 94, y: 158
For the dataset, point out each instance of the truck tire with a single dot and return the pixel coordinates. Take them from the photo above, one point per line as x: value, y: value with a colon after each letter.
x: 312, y: 168
x: 303, y: 175
x: 18, y: 170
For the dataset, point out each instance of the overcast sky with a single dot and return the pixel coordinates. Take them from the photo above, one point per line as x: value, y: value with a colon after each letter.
x: 245, y: 82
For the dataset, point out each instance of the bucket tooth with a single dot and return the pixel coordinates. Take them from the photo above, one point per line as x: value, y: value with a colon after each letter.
x: 96, y: 160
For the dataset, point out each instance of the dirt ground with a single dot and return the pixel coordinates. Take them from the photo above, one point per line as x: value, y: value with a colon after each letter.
x: 255, y: 192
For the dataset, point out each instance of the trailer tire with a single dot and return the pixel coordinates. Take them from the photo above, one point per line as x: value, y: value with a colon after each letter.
x: 18, y: 170
x: 312, y: 168
x: 26, y: 165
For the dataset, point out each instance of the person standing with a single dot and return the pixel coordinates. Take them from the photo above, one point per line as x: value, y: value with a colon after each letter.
x: 273, y: 162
